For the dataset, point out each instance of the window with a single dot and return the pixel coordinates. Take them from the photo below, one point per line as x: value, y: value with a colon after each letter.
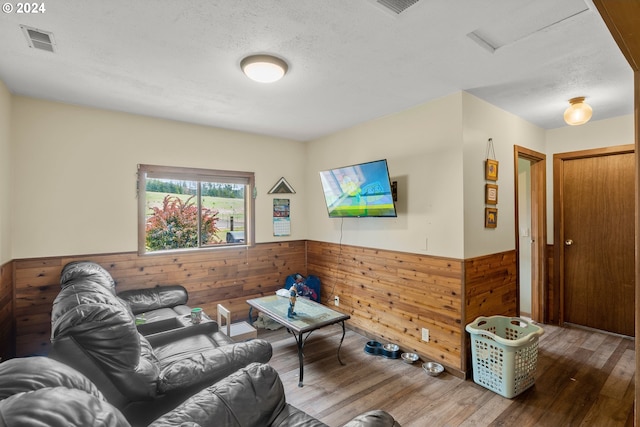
x: 191, y: 209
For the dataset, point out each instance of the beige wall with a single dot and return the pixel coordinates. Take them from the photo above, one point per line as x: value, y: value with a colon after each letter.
x: 5, y: 174
x: 437, y: 152
x: 481, y: 122
x: 76, y: 187
x: 423, y: 147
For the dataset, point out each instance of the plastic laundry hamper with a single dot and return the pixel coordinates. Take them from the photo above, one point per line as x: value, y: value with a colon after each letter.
x: 505, y: 353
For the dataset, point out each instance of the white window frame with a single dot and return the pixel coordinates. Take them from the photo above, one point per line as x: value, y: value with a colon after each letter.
x: 198, y: 175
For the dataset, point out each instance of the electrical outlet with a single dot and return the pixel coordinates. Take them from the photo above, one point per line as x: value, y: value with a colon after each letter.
x: 425, y: 335
x: 336, y: 300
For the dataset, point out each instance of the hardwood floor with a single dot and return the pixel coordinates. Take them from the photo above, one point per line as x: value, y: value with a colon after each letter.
x: 584, y: 378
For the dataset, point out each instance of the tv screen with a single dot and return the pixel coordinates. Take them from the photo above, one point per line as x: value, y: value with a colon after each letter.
x: 360, y: 190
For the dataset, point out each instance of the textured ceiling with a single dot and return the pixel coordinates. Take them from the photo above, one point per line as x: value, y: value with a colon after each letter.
x: 350, y: 61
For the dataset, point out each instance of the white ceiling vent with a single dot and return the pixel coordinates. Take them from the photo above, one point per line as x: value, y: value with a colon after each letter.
x: 38, y: 39
x: 396, y: 6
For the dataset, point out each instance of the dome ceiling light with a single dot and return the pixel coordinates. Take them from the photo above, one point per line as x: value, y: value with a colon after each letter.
x: 578, y: 112
x: 264, y: 68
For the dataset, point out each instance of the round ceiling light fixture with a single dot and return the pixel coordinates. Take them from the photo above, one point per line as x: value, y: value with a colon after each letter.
x: 264, y: 68
x: 578, y: 113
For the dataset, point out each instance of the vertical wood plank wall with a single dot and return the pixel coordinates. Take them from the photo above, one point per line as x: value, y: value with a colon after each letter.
x: 389, y: 295
x: 490, y: 289
x: 229, y: 276
x: 6, y: 311
x: 490, y: 286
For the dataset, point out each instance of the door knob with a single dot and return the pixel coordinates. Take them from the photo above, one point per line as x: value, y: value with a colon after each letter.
x: 568, y: 242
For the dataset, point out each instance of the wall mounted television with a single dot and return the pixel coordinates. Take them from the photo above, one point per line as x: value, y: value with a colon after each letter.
x: 361, y: 190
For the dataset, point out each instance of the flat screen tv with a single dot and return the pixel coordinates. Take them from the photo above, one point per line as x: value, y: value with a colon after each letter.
x: 362, y: 190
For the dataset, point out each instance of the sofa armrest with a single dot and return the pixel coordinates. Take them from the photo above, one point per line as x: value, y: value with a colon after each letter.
x: 27, y: 374
x: 141, y: 300
x: 180, y: 371
x: 188, y: 330
x: 375, y: 418
x: 292, y: 416
x: 250, y: 397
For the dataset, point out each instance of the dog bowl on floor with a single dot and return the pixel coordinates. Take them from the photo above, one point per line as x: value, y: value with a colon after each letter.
x: 391, y: 351
x: 373, y: 348
x: 409, y: 357
x: 391, y: 347
x: 432, y: 368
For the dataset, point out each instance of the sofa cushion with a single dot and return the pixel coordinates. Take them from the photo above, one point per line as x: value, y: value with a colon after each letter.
x: 165, y: 313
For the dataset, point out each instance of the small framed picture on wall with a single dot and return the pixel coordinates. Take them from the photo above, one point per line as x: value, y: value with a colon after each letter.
x: 491, y: 170
x: 491, y: 194
x: 490, y: 217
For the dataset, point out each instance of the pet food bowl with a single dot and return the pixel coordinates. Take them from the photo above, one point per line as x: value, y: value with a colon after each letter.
x: 391, y: 347
x: 373, y: 347
x: 432, y: 368
x: 391, y: 351
x: 409, y: 357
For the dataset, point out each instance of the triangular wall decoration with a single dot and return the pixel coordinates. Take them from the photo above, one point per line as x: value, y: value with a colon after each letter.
x: 281, y: 187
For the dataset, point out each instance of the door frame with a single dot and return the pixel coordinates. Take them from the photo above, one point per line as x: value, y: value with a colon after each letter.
x: 539, y: 307
x: 558, y: 215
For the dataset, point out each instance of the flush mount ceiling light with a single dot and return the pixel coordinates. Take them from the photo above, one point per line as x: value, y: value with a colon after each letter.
x: 264, y: 68
x: 578, y: 112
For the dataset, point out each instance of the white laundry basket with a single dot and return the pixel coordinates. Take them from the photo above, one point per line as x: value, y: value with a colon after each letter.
x: 505, y: 353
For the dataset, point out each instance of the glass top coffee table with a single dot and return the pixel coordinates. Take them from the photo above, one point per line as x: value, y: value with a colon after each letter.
x: 309, y: 316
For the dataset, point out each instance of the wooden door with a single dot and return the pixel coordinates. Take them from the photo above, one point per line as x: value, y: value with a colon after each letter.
x: 598, y: 223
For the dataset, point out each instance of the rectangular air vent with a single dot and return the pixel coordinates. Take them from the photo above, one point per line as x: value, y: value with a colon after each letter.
x: 38, y: 39
x: 397, y: 6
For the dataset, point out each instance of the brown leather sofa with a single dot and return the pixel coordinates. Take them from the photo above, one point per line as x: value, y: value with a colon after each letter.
x: 94, y: 332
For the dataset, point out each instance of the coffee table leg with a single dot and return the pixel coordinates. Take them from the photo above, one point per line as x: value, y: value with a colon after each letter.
x: 300, y: 343
x: 340, y: 345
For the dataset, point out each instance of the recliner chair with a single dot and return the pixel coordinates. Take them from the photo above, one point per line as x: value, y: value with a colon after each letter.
x: 41, y: 391
x: 254, y: 397
x: 94, y: 332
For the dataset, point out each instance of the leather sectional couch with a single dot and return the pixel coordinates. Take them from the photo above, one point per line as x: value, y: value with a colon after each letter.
x: 42, y: 391
x: 103, y: 372
x: 94, y: 332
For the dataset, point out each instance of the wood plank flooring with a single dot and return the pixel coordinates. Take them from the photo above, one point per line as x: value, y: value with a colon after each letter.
x: 584, y: 378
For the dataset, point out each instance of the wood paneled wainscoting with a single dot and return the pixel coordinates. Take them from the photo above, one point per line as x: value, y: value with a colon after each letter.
x: 7, y: 340
x: 392, y: 295
x: 227, y: 275
x: 389, y: 295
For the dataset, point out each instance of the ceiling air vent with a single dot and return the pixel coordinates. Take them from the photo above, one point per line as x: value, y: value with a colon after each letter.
x: 397, y: 6
x: 38, y: 39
